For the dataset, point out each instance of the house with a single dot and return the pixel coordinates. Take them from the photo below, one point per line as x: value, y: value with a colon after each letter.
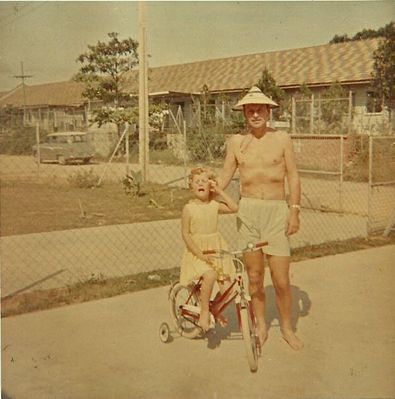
x: 215, y: 85
x: 55, y: 106
x: 225, y: 79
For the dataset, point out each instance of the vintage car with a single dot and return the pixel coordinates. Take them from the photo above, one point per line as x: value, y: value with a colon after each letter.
x: 64, y: 147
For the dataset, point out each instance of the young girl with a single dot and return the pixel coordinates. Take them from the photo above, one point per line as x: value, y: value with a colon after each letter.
x: 199, y: 232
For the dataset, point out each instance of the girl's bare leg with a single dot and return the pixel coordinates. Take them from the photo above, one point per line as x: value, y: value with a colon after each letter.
x: 205, y: 293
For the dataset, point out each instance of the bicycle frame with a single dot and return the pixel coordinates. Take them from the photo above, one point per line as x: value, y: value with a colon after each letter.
x: 189, y: 310
x: 235, y: 291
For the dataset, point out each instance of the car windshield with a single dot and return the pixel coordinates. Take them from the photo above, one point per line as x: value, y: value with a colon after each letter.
x: 78, y: 138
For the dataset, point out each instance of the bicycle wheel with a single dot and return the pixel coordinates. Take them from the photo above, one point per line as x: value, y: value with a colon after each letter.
x: 184, y: 325
x: 249, y: 338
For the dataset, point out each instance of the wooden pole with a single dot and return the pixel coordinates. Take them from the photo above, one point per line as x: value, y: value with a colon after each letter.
x: 143, y: 96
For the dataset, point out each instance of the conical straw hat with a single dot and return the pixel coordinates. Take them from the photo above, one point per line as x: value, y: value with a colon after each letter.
x: 254, y: 96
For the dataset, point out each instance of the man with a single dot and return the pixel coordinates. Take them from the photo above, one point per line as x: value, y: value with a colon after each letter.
x: 264, y: 158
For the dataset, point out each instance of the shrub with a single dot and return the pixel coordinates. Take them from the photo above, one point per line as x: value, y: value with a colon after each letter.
x: 18, y: 141
x: 83, y: 179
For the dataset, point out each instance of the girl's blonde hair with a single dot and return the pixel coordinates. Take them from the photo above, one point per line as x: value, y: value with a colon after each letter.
x: 198, y: 171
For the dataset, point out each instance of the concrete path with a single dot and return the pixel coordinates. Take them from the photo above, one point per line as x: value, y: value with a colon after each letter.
x: 55, y: 259
x: 110, y: 348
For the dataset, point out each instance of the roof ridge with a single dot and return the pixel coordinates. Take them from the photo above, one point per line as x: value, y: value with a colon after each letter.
x: 351, y: 42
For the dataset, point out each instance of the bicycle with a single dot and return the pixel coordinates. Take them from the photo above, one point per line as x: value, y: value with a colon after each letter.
x: 185, y: 309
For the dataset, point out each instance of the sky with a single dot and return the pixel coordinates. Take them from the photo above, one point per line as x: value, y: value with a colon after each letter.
x: 48, y: 36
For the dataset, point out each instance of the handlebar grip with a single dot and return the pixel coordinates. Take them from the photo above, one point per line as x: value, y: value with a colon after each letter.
x: 209, y: 252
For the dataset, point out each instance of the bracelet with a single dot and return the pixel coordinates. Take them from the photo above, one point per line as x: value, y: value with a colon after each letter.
x: 296, y: 206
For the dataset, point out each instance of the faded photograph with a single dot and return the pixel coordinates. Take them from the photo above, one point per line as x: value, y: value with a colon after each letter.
x: 197, y: 199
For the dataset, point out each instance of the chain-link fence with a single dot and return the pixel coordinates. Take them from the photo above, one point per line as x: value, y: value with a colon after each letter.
x: 320, y: 115
x: 63, y: 224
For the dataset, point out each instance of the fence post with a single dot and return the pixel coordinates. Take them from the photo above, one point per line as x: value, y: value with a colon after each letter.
x: 319, y: 113
x: 341, y: 173
x: 293, y: 115
x: 127, y: 148
x: 38, y: 155
x: 185, y: 152
x: 223, y: 112
x: 370, y: 173
x: 349, y: 111
x: 312, y: 115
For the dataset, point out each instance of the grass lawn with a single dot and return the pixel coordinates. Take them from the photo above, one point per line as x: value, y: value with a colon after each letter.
x: 29, y: 207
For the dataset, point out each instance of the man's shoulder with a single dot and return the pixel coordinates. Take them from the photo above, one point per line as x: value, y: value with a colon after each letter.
x: 280, y: 134
x: 235, y: 139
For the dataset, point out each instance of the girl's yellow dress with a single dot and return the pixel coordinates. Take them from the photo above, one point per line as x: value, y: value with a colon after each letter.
x: 204, y: 232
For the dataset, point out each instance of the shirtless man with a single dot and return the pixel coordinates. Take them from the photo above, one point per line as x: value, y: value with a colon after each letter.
x: 265, y: 158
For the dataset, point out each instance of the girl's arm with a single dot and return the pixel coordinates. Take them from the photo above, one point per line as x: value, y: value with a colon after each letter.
x: 186, y: 236
x: 230, y: 206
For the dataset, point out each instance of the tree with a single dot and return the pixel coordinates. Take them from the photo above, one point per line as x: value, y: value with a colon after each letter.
x: 384, y: 71
x: 304, y: 91
x: 334, y: 108
x: 385, y: 31
x: 269, y: 86
x: 103, y: 71
x: 340, y: 39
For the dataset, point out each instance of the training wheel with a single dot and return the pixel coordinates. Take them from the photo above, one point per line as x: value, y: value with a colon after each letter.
x: 164, y: 332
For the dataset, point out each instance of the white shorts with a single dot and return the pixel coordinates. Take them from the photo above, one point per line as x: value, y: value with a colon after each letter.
x: 264, y: 220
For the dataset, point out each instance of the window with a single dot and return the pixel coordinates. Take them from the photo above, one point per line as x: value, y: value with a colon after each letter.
x: 373, y: 103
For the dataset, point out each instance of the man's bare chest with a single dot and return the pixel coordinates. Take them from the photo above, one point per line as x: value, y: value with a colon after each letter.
x: 262, y: 153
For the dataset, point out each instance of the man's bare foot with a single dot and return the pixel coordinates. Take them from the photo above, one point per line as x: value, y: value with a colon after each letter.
x: 204, y: 321
x: 293, y: 341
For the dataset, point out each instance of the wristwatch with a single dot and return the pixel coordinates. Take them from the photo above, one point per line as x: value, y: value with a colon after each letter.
x: 296, y: 206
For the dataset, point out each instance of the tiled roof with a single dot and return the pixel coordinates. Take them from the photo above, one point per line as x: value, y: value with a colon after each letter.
x: 58, y: 93
x: 348, y: 62
x: 344, y: 62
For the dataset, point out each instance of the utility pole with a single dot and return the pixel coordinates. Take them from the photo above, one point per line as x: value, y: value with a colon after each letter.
x: 22, y: 76
x: 143, y: 96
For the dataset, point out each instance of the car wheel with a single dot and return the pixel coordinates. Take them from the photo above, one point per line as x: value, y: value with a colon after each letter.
x: 86, y: 160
